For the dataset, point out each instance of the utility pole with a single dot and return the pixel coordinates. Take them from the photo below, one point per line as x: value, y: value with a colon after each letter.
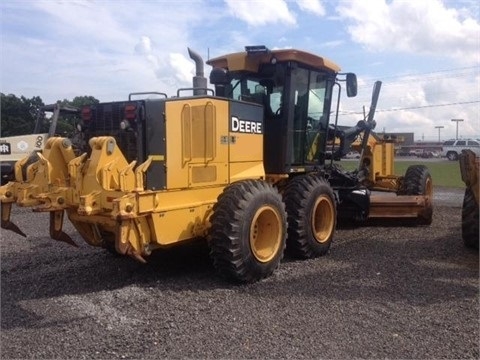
x: 457, y: 121
x: 439, y: 127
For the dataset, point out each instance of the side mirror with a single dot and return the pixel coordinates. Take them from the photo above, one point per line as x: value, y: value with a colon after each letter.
x: 351, y: 85
x: 219, y: 76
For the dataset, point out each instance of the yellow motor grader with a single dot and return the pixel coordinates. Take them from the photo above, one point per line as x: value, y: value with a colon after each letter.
x: 243, y: 166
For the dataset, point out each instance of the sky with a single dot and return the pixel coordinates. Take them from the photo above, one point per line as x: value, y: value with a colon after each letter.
x: 425, y: 52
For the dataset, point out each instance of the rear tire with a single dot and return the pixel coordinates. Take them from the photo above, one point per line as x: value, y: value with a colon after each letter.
x: 312, y: 216
x: 248, y: 232
x: 470, y: 220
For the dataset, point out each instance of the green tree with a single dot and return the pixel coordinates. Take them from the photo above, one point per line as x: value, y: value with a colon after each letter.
x: 18, y: 115
x: 80, y: 101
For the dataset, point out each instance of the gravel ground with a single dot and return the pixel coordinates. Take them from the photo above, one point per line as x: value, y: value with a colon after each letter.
x: 381, y: 292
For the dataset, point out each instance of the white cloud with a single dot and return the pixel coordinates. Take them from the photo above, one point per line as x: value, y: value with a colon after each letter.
x: 258, y: 12
x: 183, y: 67
x: 314, y: 6
x: 333, y: 43
x: 76, y: 19
x: 67, y: 49
x: 418, y: 103
x: 144, y: 46
x: 424, y: 27
x: 108, y: 49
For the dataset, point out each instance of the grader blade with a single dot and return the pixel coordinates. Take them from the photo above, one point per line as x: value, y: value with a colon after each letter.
x: 7, y: 224
x: 397, y: 207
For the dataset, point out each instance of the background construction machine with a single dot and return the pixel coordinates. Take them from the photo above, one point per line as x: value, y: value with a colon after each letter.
x: 233, y: 165
x: 469, y: 169
x: 15, y: 148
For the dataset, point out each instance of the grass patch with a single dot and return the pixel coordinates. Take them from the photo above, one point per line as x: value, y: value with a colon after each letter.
x: 444, y: 173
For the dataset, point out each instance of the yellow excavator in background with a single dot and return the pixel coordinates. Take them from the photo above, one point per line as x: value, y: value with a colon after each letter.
x: 244, y: 166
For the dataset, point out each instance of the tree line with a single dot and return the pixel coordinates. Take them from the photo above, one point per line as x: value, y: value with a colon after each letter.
x: 19, y: 115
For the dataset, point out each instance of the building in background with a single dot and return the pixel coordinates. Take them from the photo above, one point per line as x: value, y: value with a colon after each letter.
x: 405, y: 145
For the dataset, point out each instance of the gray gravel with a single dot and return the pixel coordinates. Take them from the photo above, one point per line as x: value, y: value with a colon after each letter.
x: 381, y: 292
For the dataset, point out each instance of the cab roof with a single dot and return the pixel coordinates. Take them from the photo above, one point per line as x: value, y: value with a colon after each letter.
x: 250, y: 62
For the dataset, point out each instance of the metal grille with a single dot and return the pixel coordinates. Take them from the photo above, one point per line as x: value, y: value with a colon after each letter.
x: 106, y: 122
x: 108, y: 117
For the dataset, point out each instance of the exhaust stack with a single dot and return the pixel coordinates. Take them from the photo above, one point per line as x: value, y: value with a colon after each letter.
x: 199, y: 80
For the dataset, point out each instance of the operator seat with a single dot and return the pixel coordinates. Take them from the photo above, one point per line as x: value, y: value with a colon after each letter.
x: 261, y: 96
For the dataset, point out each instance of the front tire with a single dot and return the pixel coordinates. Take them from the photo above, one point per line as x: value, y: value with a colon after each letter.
x: 312, y: 216
x: 418, y: 181
x: 470, y: 220
x: 248, y: 231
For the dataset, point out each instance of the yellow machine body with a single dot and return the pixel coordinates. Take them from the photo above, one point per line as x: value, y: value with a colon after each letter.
x: 236, y: 167
x: 378, y: 159
x: 105, y: 196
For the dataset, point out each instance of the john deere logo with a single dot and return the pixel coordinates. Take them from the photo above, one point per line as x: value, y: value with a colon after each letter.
x: 245, y: 126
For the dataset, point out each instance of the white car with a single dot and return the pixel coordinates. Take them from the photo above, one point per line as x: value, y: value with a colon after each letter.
x: 352, y: 155
x: 452, y: 148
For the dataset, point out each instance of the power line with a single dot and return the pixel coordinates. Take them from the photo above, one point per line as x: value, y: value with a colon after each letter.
x: 411, y: 108
x: 422, y: 74
x: 471, y: 88
x: 393, y: 81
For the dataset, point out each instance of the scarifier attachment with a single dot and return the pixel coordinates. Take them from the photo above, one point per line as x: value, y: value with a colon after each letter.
x: 103, y: 195
x: 56, y: 225
x: 6, y: 223
x: 103, y: 184
x: 130, y: 235
x: 37, y: 177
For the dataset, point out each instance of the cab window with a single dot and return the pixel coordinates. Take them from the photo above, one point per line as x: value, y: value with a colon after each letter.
x: 311, y: 100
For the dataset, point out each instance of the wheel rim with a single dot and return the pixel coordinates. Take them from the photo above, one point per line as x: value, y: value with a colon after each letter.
x: 265, y: 234
x: 323, y: 219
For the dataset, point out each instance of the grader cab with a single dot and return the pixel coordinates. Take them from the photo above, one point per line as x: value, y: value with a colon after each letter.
x: 243, y: 166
